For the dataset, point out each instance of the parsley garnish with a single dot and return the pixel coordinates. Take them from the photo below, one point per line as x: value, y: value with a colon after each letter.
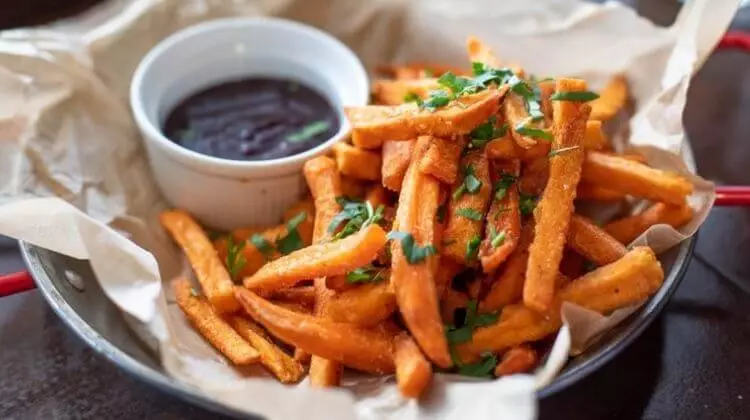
x: 413, y: 97
x: 486, y: 132
x: 470, y: 184
x: 496, y: 239
x: 414, y: 253
x: 262, y: 245
x: 524, y: 129
x: 470, y: 214
x: 502, y: 185
x: 235, y: 260
x: 574, y: 96
x: 526, y: 204
x: 366, y: 274
x: 458, y: 335
x: 291, y: 241
x: 356, y: 214
x: 553, y: 153
x: 472, y: 248
x: 481, y: 369
x: 436, y: 99
x: 309, y: 131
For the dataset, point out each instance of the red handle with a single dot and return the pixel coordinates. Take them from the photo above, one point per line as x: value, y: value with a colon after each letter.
x: 16, y: 283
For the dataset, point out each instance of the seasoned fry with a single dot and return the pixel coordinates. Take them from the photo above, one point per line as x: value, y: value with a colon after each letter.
x: 508, y: 150
x: 393, y: 92
x: 441, y: 158
x: 503, y: 228
x: 347, y: 344
x: 611, y: 100
x: 357, y: 163
x: 627, y: 229
x: 626, y: 281
x: 211, y: 326
x: 508, y: 286
x: 319, y: 260
x: 304, y: 295
x: 590, y: 192
x: 294, y: 306
x: 629, y: 177
x: 396, y: 158
x: 534, y: 176
x: 553, y: 211
x: 466, y: 209
x: 515, y: 112
x: 415, y: 282
x: 594, y: 139
x: 593, y: 242
x: 481, y: 53
x: 365, y: 306
x: 413, y: 371
x: 209, y: 269
x: 519, y: 359
x: 372, y: 125
x: 271, y: 356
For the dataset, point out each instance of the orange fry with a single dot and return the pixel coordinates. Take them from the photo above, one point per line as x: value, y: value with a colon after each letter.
x: 519, y: 359
x: 304, y: 295
x: 626, y: 281
x: 415, y: 282
x: 466, y: 209
x: 503, y: 228
x: 627, y: 229
x: 413, y: 371
x: 514, y: 109
x: 553, y: 211
x: 441, y: 158
x: 212, y: 275
x: 211, y: 326
x: 611, y: 100
x: 534, y: 176
x: 393, y: 92
x: 396, y: 158
x: 590, y: 192
x: 593, y: 242
x: 508, y: 286
x: 272, y: 357
x: 347, y: 344
x: 595, y: 139
x: 629, y: 177
x: 357, y: 163
x: 372, y: 125
x: 365, y: 306
x: 481, y: 53
x: 319, y: 260
x: 509, y: 150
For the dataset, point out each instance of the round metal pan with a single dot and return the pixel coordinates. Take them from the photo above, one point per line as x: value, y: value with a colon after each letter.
x: 102, y: 326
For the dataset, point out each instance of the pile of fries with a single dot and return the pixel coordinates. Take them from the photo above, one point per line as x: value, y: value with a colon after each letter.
x: 444, y: 236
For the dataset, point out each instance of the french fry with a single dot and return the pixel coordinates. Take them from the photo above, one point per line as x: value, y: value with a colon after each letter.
x: 519, y: 359
x: 627, y: 229
x: 534, y: 176
x: 590, y: 192
x: 611, y: 100
x: 546, y: 90
x: 553, y: 211
x: 508, y: 285
x: 396, y: 158
x: 629, y: 177
x: 365, y: 306
x: 626, y: 281
x: 211, y: 326
x: 372, y: 125
x: 393, y: 92
x: 413, y: 371
x: 593, y: 242
x: 337, y: 283
x: 294, y: 306
x: 286, y: 369
x: 414, y: 283
x: 503, y: 228
x: 463, y: 232
x: 356, y: 347
x: 357, y: 163
x: 508, y: 150
x: 441, y: 158
x: 304, y: 295
x: 212, y: 275
x: 515, y: 112
x: 481, y: 53
x: 595, y: 139
x: 319, y: 260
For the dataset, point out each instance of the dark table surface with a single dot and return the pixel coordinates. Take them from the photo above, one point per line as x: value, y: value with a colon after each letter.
x: 692, y: 363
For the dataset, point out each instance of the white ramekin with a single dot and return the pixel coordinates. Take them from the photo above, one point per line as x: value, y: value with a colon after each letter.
x: 221, y: 193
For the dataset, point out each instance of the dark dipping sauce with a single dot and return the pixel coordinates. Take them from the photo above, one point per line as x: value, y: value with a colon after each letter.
x: 252, y: 119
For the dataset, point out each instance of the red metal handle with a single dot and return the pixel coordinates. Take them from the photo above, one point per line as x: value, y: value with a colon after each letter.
x: 16, y: 283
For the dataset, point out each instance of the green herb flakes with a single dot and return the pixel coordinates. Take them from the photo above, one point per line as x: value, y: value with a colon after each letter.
x: 496, y: 238
x: 234, y: 261
x: 470, y: 214
x: 527, y: 204
x: 262, y: 244
x: 309, y: 131
x: 501, y: 186
x: 472, y: 248
x: 356, y: 214
x: 366, y: 274
x: 413, y: 253
x: 291, y: 241
x: 584, y: 96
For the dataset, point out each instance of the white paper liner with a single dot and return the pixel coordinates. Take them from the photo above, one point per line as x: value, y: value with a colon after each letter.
x: 66, y: 132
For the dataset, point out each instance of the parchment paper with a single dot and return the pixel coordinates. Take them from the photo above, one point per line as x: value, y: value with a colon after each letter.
x: 66, y: 134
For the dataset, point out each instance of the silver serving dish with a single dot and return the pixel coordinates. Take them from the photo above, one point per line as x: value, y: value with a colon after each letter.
x: 101, y: 325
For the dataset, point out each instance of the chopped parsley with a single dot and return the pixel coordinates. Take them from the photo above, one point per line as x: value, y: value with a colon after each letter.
x: 472, y: 248
x: 413, y: 97
x: 584, y: 96
x: 235, y: 260
x: 436, y: 99
x: 366, y: 274
x: 523, y: 128
x: 470, y: 184
x: 413, y: 253
x: 356, y: 214
x: 262, y: 244
x: 486, y: 132
x: 462, y: 334
x: 470, y: 214
x: 501, y: 186
x: 527, y: 204
x: 309, y: 131
x: 496, y: 238
x: 555, y: 152
x: 484, y: 368
x: 291, y: 241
